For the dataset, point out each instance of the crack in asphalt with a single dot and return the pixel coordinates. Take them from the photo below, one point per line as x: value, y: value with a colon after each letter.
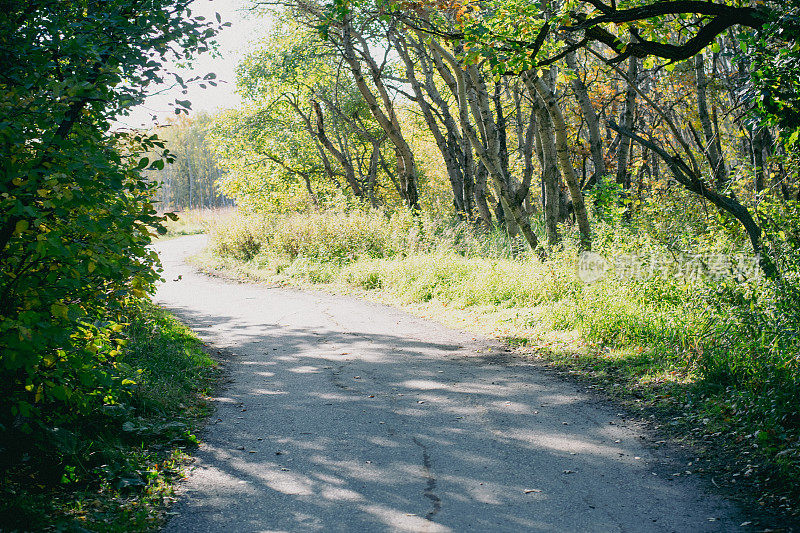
x: 430, y: 485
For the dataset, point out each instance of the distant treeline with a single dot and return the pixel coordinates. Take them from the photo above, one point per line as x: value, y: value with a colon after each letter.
x: 191, y: 180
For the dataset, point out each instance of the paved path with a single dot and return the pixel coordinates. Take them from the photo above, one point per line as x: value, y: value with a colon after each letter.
x: 345, y: 415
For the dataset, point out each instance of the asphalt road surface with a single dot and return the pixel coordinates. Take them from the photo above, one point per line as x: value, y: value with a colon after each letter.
x: 346, y: 415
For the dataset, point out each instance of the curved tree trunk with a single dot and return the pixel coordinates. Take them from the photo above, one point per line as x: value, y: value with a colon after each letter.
x: 347, y: 165
x: 625, y: 144
x: 712, y: 147
x: 446, y: 141
x: 469, y: 97
x: 385, y: 116
x: 592, y: 121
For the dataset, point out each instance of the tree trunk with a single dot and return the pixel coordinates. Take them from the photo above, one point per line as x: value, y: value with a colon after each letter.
x: 562, y: 149
x: 592, y: 121
x: 469, y: 97
x: 624, y: 150
x: 386, y: 117
x: 484, y: 212
x: 711, y: 148
x: 344, y: 161
x: 550, y: 177
x: 446, y: 141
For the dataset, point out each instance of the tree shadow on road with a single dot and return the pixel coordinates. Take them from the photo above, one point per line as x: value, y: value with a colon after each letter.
x: 322, y: 429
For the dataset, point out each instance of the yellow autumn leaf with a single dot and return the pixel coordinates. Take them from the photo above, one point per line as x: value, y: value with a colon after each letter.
x: 59, y: 309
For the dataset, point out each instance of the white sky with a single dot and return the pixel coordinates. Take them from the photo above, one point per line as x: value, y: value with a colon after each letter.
x: 234, y: 42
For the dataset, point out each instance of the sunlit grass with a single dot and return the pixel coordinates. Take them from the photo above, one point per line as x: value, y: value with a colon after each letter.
x: 196, y: 221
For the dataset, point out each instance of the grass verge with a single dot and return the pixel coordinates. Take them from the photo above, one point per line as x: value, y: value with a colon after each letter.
x: 196, y: 221
x: 119, y: 467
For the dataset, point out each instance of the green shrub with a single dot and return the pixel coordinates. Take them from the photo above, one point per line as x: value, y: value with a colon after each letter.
x: 240, y: 237
x: 118, y: 455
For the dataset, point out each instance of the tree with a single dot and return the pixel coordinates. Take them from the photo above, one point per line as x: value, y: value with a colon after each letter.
x: 304, y: 124
x: 518, y: 38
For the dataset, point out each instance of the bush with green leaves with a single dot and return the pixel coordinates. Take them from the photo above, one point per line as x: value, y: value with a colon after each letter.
x: 75, y: 212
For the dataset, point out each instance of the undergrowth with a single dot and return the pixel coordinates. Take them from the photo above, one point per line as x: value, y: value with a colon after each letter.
x: 114, y: 470
x: 718, y: 351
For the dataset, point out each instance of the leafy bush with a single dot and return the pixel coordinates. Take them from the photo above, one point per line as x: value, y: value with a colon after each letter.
x: 240, y: 237
x: 76, y: 215
x: 119, y: 449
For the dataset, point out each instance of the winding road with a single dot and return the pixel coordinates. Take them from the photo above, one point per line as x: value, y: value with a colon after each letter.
x: 344, y: 415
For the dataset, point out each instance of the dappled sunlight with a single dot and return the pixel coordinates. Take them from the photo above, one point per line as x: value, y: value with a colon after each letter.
x: 400, y: 521
x: 223, y: 399
x: 377, y: 470
x: 425, y: 384
x: 334, y: 396
x: 340, y: 494
x: 560, y: 399
x: 489, y: 389
x: 362, y: 470
x: 567, y: 443
x: 306, y: 369
x: 332, y: 480
x: 479, y: 491
x: 268, y: 392
x: 384, y: 442
x: 512, y: 407
x: 286, y: 482
x: 410, y: 411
